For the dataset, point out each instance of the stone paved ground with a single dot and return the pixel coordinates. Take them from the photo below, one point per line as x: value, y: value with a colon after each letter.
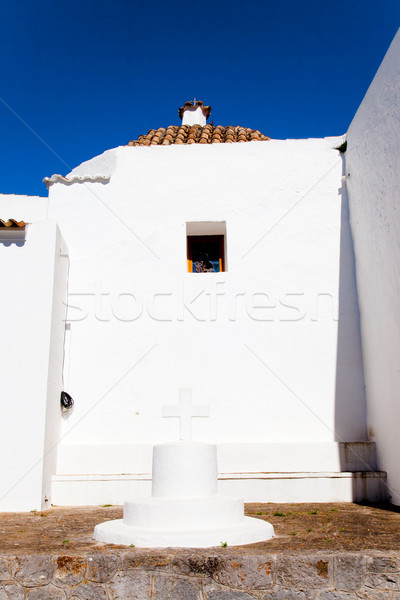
x: 299, y: 527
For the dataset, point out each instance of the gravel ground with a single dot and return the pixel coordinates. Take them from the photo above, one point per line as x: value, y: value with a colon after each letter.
x: 302, y: 527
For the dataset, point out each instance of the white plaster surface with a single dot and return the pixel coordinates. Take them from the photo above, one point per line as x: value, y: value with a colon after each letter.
x: 185, y: 470
x: 256, y: 472
x: 249, y: 531
x: 271, y: 345
x: 73, y: 178
x: 74, y: 490
x: 23, y: 208
x: 372, y: 160
x: 194, y: 116
x: 258, y: 343
x: 184, y: 513
x: 31, y: 356
x: 245, y: 457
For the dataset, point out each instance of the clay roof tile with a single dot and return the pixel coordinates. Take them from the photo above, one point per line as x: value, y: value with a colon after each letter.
x: 196, y: 134
x: 12, y: 224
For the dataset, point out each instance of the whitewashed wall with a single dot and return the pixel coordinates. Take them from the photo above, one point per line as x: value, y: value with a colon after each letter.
x: 23, y: 208
x: 372, y: 159
x: 32, y: 309
x: 258, y: 343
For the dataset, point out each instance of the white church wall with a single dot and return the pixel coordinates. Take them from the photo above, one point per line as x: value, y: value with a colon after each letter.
x: 258, y: 343
x: 372, y: 162
x: 32, y: 305
x: 23, y: 208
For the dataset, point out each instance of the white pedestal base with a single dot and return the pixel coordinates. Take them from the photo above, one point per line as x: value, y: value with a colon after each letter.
x: 184, y: 510
x: 247, y: 532
x: 167, y: 514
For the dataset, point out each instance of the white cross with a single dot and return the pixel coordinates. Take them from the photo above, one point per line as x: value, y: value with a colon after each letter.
x: 185, y: 411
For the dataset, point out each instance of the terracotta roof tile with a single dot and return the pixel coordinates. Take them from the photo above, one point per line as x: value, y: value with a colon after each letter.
x: 196, y: 134
x: 12, y: 224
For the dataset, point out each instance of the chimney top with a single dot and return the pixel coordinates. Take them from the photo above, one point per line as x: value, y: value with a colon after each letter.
x: 194, y: 113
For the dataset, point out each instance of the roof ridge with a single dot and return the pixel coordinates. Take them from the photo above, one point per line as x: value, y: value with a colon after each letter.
x: 198, y: 134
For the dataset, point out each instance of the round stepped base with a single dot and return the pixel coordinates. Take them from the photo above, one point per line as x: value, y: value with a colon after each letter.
x: 184, y: 513
x: 248, y: 531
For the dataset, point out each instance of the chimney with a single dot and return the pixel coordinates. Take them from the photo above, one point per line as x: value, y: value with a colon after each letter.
x: 194, y: 113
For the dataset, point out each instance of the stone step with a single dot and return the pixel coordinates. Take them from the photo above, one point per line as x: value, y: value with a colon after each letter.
x: 232, y: 458
x: 92, y: 489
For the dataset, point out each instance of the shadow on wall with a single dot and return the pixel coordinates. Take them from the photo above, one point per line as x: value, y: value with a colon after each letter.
x: 350, y: 400
x: 18, y: 243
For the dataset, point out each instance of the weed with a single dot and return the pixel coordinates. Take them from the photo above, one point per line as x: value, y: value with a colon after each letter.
x: 279, y: 514
x: 312, y: 512
x: 131, y: 545
x: 259, y: 513
x: 342, y: 528
x: 65, y: 541
x: 333, y: 509
x: 308, y: 530
x: 293, y: 533
x: 106, y: 505
x: 328, y: 540
x: 224, y: 544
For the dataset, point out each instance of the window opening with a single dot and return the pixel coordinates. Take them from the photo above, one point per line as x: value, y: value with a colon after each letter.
x: 205, y: 253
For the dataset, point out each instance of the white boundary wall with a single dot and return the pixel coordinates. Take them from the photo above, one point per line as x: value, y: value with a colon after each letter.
x: 32, y: 309
x: 373, y: 159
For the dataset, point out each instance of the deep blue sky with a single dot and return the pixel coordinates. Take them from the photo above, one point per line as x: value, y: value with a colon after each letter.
x: 88, y: 75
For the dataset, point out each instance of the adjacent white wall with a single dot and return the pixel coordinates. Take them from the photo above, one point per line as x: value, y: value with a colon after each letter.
x: 23, y: 208
x: 32, y: 309
x: 258, y: 343
x: 372, y: 159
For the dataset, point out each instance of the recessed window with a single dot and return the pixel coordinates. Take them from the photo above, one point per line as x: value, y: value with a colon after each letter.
x: 206, y: 247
